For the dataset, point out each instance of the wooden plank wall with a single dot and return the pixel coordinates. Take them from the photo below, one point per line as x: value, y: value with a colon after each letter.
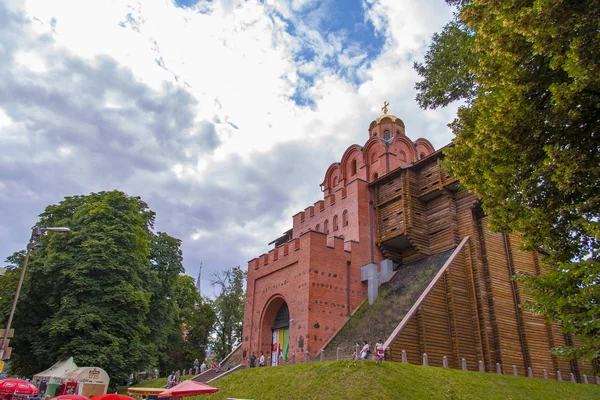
x: 391, y: 213
x: 437, y: 328
x: 507, y: 320
x: 440, y: 224
x: 473, y: 311
x: 417, y: 230
x: 429, y: 179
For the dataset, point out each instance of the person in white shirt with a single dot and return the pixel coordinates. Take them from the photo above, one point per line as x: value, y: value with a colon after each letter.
x: 379, y: 352
x: 365, y: 351
x: 261, y: 360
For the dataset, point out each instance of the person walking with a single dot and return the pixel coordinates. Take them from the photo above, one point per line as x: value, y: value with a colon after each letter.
x: 379, y: 352
x: 364, y: 353
x: 253, y: 360
x: 261, y: 360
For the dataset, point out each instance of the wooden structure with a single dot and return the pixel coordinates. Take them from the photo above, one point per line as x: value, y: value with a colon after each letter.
x: 471, y: 309
x: 391, y: 216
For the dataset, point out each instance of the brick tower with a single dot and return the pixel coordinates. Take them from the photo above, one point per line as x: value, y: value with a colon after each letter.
x: 320, y: 271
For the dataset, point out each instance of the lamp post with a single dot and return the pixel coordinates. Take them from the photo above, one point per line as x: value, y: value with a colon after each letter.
x: 36, y: 234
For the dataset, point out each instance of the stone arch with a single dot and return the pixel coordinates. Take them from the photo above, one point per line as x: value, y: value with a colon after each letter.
x: 332, y: 171
x: 352, y: 153
x: 401, y: 143
x: 373, y: 148
x: 424, y: 148
x: 267, y: 323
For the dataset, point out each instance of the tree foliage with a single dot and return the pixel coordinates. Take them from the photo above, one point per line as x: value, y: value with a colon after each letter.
x: 527, y: 140
x: 229, y: 309
x: 109, y: 293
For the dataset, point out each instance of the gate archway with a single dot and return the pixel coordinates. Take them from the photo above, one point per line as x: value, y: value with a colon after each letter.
x: 275, y: 327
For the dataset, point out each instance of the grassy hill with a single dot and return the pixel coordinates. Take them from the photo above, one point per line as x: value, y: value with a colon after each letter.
x: 365, y: 380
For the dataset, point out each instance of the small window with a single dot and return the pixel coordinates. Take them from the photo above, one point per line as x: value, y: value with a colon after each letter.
x: 345, y: 218
x: 335, y: 223
x: 375, y: 176
x: 326, y: 227
x: 318, y: 228
x: 353, y: 167
x: 386, y: 134
x: 422, y: 156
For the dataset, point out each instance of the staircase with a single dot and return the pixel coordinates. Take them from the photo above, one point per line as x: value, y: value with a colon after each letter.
x: 234, y: 358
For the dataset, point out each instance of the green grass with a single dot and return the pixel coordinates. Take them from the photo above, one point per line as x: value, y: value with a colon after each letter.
x: 365, y: 380
x: 160, y: 382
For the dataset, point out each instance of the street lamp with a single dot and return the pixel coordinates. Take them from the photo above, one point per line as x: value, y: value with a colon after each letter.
x: 36, y: 234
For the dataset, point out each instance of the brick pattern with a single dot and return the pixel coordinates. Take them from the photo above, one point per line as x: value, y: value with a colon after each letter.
x: 317, y: 273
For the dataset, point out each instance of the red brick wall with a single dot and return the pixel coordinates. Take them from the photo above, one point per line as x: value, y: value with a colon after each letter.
x: 316, y: 275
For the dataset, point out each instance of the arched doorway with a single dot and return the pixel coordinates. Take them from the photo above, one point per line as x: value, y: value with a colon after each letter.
x: 275, y: 331
x: 280, y: 342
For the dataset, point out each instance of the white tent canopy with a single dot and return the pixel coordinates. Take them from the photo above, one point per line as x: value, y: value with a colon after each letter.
x: 91, y: 380
x: 57, y: 372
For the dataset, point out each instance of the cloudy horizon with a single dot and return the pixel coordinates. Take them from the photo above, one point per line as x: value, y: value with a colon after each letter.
x: 223, y: 116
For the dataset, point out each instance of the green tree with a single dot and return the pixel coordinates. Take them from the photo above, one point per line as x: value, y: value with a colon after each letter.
x: 229, y: 309
x: 527, y: 140
x: 89, y: 293
x: 194, y: 322
x: 166, y: 263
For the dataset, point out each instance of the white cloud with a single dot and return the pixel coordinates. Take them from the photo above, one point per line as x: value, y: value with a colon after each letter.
x: 5, y: 120
x: 210, y: 105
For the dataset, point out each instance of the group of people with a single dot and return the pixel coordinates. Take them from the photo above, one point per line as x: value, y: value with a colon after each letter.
x: 261, y: 360
x: 366, y: 351
x: 199, y: 368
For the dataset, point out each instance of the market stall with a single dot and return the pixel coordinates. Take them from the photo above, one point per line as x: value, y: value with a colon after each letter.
x: 86, y: 381
x: 50, y: 380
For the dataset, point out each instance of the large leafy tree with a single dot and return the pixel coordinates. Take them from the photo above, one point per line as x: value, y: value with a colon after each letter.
x: 102, y: 293
x: 527, y: 138
x: 229, y: 309
x: 194, y: 321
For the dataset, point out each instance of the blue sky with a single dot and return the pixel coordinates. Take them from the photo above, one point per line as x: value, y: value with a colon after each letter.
x: 222, y: 115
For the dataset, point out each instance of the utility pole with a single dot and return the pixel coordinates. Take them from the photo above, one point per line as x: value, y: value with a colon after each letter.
x: 36, y: 234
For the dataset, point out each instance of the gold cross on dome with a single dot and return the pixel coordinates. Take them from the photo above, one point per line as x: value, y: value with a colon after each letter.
x: 385, y: 106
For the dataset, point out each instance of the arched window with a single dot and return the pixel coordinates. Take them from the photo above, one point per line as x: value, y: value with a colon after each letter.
x: 345, y: 218
x: 335, y: 223
x: 326, y: 227
x: 375, y: 176
x: 318, y: 228
x: 335, y: 181
x: 386, y: 134
x: 353, y: 167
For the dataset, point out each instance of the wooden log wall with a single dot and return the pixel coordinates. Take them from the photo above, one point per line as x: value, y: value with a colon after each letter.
x: 391, y: 209
x: 437, y: 328
x: 474, y: 311
x: 417, y: 230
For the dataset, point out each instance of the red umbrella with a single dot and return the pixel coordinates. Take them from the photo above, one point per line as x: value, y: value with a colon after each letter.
x: 110, y: 397
x: 188, y: 388
x: 17, y: 386
x: 70, y: 397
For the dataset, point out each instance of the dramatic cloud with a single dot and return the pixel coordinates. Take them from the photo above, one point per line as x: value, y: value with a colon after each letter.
x: 223, y: 116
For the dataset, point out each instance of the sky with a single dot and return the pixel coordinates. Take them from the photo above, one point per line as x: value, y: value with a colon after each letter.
x: 223, y: 115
